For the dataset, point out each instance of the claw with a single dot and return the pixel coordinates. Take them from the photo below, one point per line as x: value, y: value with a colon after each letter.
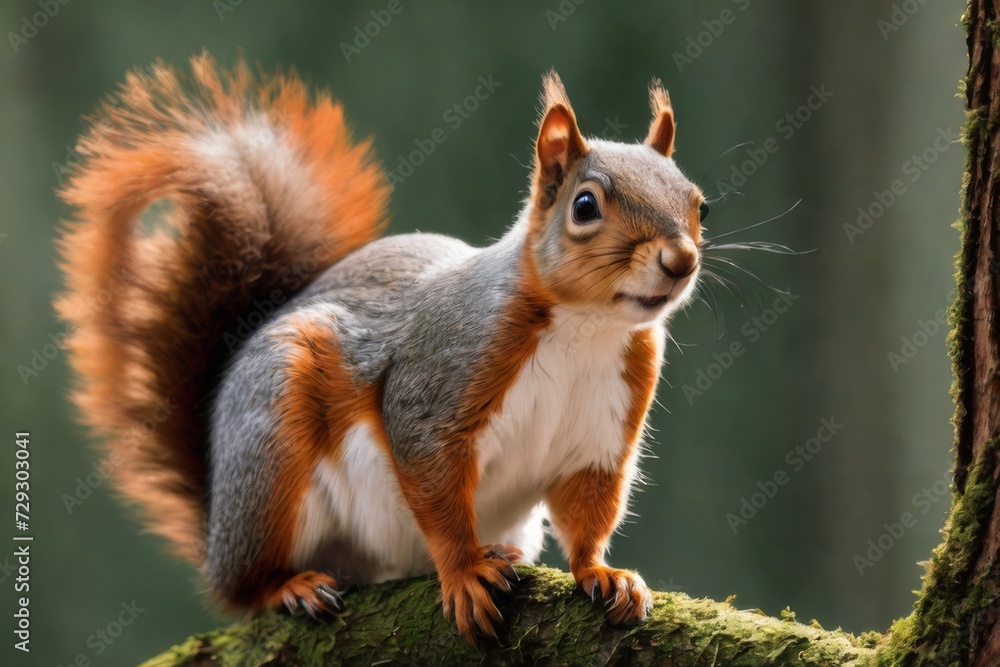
x: 624, y: 595
x: 307, y: 592
x: 309, y: 609
x: 492, y: 553
x: 330, y: 595
x: 486, y: 625
x: 509, y: 570
x: 470, y: 595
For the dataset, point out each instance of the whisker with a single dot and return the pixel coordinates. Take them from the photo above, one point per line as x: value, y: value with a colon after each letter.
x: 726, y: 284
x: 601, y: 268
x: 719, y: 321
x: 671, y: 339
x: 764, y: 246
x: 724, y: 154
x: 610, y: 277
x: 758, y: 298
x: 715, y: 199
x: 737, y: 231
x: 739, y: 267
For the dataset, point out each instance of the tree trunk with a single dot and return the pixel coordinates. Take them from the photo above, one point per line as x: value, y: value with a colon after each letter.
x: 955, y: 620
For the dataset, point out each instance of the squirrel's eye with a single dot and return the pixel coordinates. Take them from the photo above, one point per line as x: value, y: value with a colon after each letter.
x: 585, y: 208
x: 703, y: 210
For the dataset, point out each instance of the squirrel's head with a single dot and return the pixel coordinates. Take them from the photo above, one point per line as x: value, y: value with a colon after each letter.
x: 613, y: 225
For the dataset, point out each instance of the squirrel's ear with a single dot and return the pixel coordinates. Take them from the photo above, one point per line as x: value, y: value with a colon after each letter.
x: 661, y: 130
x: 559, y: 144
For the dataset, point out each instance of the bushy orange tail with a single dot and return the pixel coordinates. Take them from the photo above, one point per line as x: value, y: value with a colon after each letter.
x: 204, y: 201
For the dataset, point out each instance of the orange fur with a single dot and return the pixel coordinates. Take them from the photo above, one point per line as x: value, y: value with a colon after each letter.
x: 587, y: 506
x: 554, y: 93
x: 643, y: 359
x: 300, y: 590
x: 441, y: 492
x: 558, y: 147
x: 320, y: 403
x: 694, y: 216
x: 585, y: 509
x: 149, y: 313
x: 661, y: 130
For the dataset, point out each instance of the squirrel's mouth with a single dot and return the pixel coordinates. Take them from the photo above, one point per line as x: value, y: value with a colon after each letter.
x: 646, y: 302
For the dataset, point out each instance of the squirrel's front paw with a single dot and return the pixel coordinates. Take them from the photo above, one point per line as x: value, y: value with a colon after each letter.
x: 626, y: 597
x: 468, y: 592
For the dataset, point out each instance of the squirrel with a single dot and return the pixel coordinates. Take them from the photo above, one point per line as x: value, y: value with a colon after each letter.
x: 348, y: 409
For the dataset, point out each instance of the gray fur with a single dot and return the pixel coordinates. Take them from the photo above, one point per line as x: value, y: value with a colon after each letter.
x: 411, y: 302
x: 242, y: 428
x: 414, y: 312
x: 649, y: 191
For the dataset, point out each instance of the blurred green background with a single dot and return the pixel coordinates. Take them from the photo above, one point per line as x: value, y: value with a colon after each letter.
x: 888, y: 76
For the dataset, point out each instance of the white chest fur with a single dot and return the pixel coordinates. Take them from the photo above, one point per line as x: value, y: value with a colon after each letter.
x: 565, y: 412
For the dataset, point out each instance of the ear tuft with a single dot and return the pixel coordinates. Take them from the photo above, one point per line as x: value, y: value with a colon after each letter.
x: 559, y: 144
x: 553, y: 93
x: 659, y: 98
x: 661, y: 130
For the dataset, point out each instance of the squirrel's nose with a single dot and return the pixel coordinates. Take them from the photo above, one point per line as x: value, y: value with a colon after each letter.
x: 679, y: 259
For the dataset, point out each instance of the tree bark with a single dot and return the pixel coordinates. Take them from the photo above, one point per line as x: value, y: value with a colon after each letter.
x: 956, y: 619
x: 551, y: 621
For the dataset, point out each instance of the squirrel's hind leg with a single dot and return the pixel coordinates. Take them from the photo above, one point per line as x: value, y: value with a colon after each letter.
x: 314, y: 593
x: 264, y: 532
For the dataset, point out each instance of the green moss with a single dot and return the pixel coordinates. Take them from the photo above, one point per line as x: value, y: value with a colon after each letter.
x: 956, y: 601
x: 550, y: 621
x: 992, y: 29
x: 974, y: 131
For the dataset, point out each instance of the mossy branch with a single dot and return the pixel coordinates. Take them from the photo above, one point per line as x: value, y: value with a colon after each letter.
x: 550, y: 622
